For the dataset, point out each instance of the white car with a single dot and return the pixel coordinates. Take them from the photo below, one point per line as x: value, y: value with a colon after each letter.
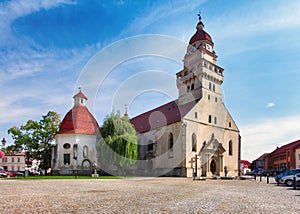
x: 288, y: 180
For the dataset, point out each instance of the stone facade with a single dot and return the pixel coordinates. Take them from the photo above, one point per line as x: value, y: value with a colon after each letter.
x: 195, y: 133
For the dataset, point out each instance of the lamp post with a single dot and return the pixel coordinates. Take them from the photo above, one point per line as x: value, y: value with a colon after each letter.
x: 3, y: 142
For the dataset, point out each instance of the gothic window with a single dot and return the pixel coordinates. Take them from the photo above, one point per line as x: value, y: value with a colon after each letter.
x: 209, y: 118
x: 230, y: 148
x: 85, y: 151
x: 194, y: 143
x: 67, y: 160
x: 170, y: 145
x: 192, y: 87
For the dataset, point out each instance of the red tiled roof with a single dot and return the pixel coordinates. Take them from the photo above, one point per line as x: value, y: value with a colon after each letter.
x: 283, y: 148
x: 245, y: 162
x: 78, y: 120
x: 163, y: 115
x: 80, y: 94
x: 262, y: 157
x: 200, y: 35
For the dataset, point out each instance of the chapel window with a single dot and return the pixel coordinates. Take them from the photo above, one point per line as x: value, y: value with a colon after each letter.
x: 170, y: 145
x: 85, y: 151
x: 67, y: 159
x: 194, y: 143
x: 230, y: 148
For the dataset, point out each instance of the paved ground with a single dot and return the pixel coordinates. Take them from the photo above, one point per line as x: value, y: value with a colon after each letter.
x: 146, y: 195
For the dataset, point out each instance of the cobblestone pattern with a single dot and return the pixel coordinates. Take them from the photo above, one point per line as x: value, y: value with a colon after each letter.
x: 146, y: 195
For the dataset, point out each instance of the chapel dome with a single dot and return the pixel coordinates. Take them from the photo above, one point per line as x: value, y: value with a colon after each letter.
x: 79, y: 120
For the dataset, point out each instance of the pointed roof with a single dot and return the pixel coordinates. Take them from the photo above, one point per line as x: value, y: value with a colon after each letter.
x: 163, y: 115
x: 80, y: 94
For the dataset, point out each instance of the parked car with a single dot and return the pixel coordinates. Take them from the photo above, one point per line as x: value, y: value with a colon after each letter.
x: 11, y: 173
x: 289, y: 172
x: 288, y: 180
x: 3, y: 175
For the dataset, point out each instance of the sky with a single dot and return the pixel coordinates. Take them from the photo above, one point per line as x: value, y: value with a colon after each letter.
x: 47, y: 46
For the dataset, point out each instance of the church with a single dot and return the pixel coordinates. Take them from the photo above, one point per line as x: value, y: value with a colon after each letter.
x: 192, y: 135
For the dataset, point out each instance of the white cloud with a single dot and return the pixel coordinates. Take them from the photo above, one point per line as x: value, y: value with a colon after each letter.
x: 270, y: 105
x: 266, y: 135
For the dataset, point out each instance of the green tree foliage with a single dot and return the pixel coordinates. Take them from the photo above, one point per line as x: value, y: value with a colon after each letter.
x: 36, y: 138
x: 118, y: 142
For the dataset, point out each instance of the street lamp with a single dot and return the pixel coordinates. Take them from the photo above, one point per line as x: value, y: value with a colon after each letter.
x: 3, y: 142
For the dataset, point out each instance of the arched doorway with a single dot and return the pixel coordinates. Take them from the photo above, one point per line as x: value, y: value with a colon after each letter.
x: 213, y: 166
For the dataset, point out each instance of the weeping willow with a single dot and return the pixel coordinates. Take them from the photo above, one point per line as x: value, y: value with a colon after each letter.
x: 118, y: 142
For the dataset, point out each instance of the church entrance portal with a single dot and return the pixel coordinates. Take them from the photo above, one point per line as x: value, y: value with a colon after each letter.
x: 213, y: 166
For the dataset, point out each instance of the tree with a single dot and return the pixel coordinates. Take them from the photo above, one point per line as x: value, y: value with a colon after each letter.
x: 118, y: 142
x: 36, y: 138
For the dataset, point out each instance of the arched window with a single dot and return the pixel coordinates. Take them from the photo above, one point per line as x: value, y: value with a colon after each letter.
x: 170, y: 145
x: 75, y: 152
x: 210, y: 86
x: 192, y: 87
x: 194, y: 143
x: 85, y: 151
x: 230, y: 148
x: 188, y: 88
x: 214, y: 87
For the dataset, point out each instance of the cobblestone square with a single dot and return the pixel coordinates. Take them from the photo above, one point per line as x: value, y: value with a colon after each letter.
x: 147, y: 195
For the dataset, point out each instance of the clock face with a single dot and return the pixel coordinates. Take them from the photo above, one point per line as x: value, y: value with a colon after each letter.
x: 209, y: 47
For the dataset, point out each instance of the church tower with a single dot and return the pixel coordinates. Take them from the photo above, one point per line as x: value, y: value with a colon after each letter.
x: 201, y: 76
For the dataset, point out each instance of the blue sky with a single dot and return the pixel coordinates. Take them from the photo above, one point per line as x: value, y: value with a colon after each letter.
x: 46, y: 44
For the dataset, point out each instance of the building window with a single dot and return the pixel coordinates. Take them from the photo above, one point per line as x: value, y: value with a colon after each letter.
x: 196, y: 115
x: 208, y: 97
x: 192, y: 87
x: 18, y: 160
x: 229, y: 124
x: 75, y: 151
x: 299, y: 157
x: 67, y: 160
x: 215, y: 120
x: 170, y: 145
x: 85, y: 151
x: 216, y: 99
x: 12, y: 160
x: 194, y: 143
x: 209, y: 118
x: 188, y: 88
x: 18, y: 168
x: 12, y: 167
x: 230, y: 148
x: 81, y: 101
x: 214, y: 88
x: 209, y: 86
x: 66, y: 146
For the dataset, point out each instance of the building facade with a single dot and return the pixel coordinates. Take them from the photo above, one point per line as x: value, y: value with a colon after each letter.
x: 282, y: 158
x: 75, y: 149
x: 13, y: 161
x: 297, y: 156
x: 194, y: 134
